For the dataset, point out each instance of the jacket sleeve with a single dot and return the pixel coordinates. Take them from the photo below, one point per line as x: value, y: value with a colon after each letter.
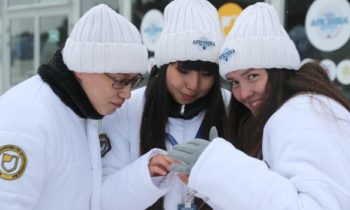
x: 127, y: 183
x: 22, y: 170
x: 306, y: 167
x: 232, y: 180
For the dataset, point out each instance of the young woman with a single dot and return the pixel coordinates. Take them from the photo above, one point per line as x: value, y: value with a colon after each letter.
x: 182, y: 100
x: 291, y: 123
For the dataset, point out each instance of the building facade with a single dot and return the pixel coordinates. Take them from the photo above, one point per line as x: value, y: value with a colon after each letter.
x: 31, y: 30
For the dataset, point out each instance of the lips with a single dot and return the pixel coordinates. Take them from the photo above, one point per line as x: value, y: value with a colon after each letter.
x: 188, y: 97
x: 117, y: 105
x: 255, y: 104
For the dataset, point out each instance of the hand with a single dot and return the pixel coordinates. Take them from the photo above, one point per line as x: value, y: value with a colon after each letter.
x: 183, y: 177
x: 189, y: 153
x: 159, y: 165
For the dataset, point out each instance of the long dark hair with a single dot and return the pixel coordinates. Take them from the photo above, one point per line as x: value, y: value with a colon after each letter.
x: 245, y: 130
x: 156, y: 109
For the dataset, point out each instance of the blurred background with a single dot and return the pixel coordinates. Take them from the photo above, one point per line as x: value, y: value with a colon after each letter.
x: 32, y: 30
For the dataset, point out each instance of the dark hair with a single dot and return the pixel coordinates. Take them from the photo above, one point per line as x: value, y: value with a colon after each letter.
x: 156, y: 109
x: 245, y: 130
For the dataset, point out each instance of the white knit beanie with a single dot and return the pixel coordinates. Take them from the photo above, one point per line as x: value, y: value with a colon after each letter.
x: 191, y: 31
x: 258, y: 40
x: 103, y: 41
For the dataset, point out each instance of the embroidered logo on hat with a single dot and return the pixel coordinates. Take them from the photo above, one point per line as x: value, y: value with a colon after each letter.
x: 227, y: 54
x: 203, y: 43
x: 195, y: 34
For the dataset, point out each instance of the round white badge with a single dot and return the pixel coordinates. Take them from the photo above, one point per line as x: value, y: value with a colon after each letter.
x: 327, y: 24
x: 343, y: 72
x: 330, y: 68
x: 151, y: 28
x: 306, y: 60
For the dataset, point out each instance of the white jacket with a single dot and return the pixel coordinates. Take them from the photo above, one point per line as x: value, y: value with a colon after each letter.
x: 306, y: 153
x: 63, y: 167
x: 127, y: 183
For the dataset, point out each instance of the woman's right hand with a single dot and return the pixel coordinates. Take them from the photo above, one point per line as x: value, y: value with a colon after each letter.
x: 159, y: 165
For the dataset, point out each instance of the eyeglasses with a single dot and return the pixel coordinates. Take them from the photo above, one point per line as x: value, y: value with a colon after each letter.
x: 122, y: 83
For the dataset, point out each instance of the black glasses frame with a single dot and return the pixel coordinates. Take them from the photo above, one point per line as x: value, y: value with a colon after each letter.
x: 122, y: 83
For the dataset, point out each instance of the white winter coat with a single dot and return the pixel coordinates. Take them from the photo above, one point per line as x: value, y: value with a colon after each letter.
x: 63, y: 168
x: 306, y: 162
x: 127, y: 183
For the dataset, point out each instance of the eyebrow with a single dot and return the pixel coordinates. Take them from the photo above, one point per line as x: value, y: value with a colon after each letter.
x: 123, y: 76
x: 244, y: 73
x: 247, y: 72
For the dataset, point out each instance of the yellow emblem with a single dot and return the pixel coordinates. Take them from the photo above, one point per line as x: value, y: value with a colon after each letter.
x: 13, y: 162
x: 228, y: 14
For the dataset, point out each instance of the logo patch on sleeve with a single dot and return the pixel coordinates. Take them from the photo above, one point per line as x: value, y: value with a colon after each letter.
x: 13, y: 162
x: 105, y: 144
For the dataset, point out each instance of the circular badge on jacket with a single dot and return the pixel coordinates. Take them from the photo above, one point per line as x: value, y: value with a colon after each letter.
x: 13, y: 162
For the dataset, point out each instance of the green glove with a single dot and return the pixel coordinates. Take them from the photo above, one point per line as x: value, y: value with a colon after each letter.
x: 189, y: 153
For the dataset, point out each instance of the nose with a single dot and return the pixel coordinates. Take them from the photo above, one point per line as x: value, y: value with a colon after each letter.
x: 192, y: 80
x: 245, y: 92
x: 125, y: 92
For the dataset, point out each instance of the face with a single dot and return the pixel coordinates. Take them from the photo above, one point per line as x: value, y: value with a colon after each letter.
x: 98, y: 88
x: 186, y: 86
x: 248, y: 86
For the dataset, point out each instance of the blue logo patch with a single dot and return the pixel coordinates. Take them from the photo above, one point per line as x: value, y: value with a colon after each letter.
x: 329, y: 23
x: 203, y: 43
x: 227, y: 54
x: 153, y: 31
